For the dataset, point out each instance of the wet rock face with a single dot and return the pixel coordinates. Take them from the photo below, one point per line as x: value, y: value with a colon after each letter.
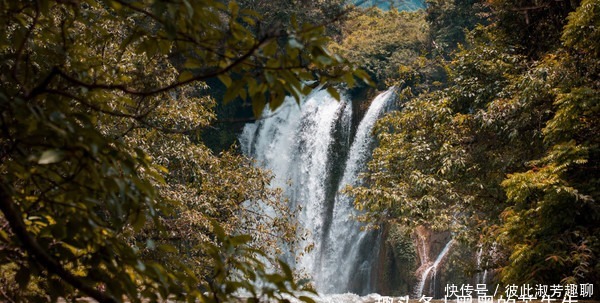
x: 405, y: 258
x: 433, y: 249
x: 397, y: 262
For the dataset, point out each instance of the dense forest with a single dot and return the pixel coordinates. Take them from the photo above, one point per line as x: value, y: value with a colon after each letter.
x: 497, y: 136
x: 121, y: 178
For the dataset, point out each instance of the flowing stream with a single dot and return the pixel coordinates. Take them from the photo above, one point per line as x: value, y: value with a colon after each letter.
x: 313, y: 154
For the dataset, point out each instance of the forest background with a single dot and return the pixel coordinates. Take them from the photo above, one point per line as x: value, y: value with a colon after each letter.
x: 119, y: 178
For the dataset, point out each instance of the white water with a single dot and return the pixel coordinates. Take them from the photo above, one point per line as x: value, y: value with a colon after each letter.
x: 296, y: 144
x: 353, y: 298
x: 293, y: 144
x: 345, y: 231
x: 425, y: 275
x: 481, y: 277
x: 424, y: 255
x: 478, y: 264
x: 484, y: 277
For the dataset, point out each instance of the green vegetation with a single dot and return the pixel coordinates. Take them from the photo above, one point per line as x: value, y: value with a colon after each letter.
x: 387, y: 44
x: 106, y: 190
x: 507, y: 152
x: 109, y: 190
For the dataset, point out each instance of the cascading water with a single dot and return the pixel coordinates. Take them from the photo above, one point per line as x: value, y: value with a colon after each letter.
x: 345, y: 236
x: 293, y: 144
x: 305, y: 148
x: 425, y: 275
x: 482, y: 277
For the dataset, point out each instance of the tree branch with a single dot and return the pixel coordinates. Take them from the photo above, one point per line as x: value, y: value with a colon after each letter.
x: 245, y: 120
x: 21, y: 48
x: 14, y: 218
x: 144, y: 93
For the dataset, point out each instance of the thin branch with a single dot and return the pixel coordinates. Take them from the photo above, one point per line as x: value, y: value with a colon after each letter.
x: 5, y: 295
x: 236, y: 61
x: 93, y: 106
x: 40, y: 88
x: 140, y: 10
x: 174, y: 85
x: 125, y: 132
x: 246, y: 120
x: 172, y: 130
x: 21, y: 48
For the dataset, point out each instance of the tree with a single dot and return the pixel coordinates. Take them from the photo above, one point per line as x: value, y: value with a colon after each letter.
x: 90, y: 93
x: 507, y: 151
x: 281, y: 15
x: 552, y: 225
x: 433, y: 164
x: 450, y: 20
x: 533, y: 27
x: 388, y: 44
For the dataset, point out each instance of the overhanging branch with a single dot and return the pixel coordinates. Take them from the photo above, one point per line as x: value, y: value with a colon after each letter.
x: 14, y: 219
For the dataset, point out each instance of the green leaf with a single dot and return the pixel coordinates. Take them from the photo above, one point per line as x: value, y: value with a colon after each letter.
x: 233, y: 8
x: 167, y: 248
x: 225, y: 79
x: 241, y: 240
x: 185, y: 76
x: 115, y: 5
x: 276, y: 101
x: 286, y: 269
x: 361, y: 74
x: 333, y: 92
x: 218, y: 230
x: 306, y: 299
x: 270, y: 49
x: 258, y: 105
x: 193, y: 63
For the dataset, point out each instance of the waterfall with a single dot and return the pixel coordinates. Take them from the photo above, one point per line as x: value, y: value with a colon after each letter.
x: 425, y: 275
x: 307, y: 149
x: 482, y: 277
x: 478, y: 277
x: 345, y: 236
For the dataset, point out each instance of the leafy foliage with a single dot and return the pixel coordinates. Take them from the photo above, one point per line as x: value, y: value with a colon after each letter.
x: 449, y: 20
x: 239, y: 268
x: 283, y: 14
x: 101, y: 176
x: 534, y: 27
x: 507, y: 151
x: 387, y: 45
x: 560, y: 190
x: 403, y: 185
